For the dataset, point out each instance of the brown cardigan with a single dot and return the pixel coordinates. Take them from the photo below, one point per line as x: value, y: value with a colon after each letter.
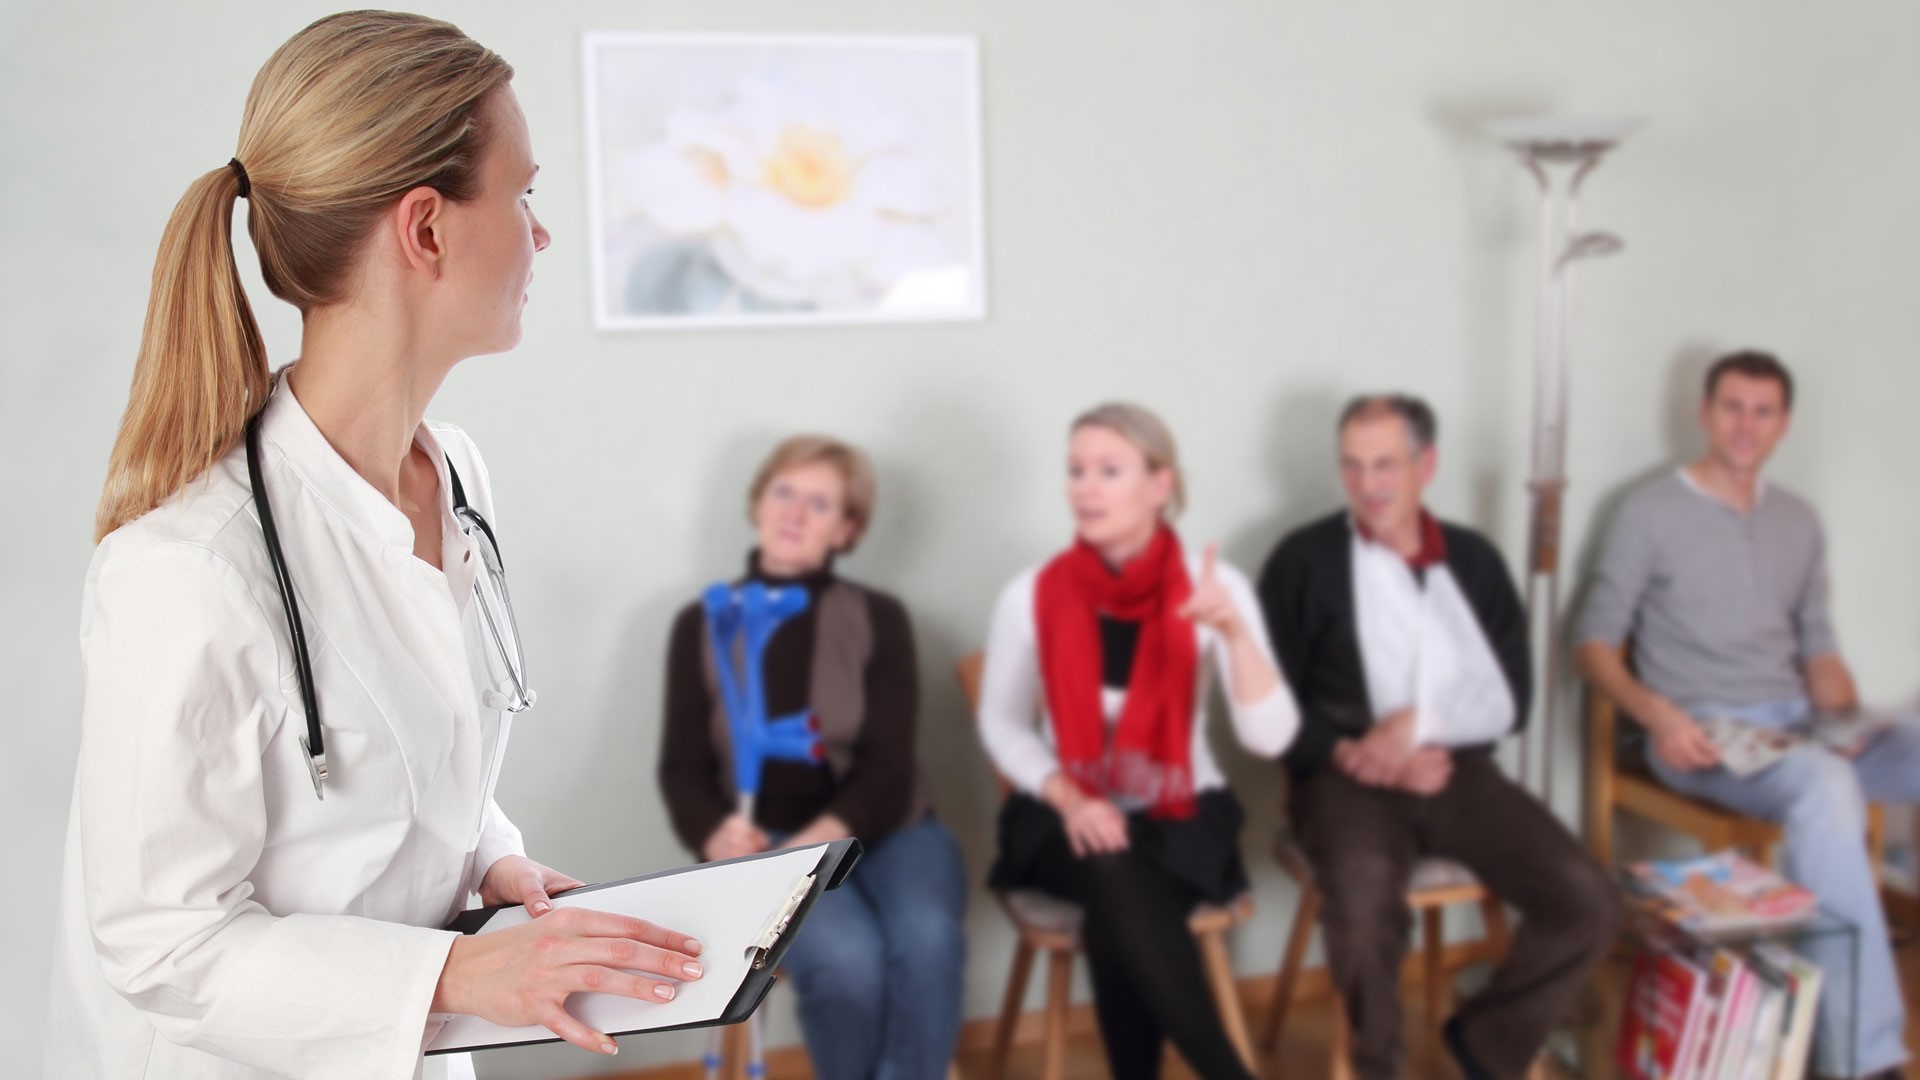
x: 850, y: 658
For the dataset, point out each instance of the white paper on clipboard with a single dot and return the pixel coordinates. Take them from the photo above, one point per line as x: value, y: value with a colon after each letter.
x: 725, y: 907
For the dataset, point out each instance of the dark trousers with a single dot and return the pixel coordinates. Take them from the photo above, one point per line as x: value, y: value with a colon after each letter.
x: 1149, y: 984
x: 1363, y: 842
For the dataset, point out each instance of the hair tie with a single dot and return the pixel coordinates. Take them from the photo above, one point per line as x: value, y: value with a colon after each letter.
x: 240, y: 171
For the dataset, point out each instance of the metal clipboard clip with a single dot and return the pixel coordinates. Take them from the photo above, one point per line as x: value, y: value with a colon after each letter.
x: 769, y: 936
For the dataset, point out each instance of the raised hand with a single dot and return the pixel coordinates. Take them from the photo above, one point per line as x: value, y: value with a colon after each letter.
x: 1210, y: 605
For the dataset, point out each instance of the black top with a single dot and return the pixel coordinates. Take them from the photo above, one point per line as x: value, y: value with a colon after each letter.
x: 875, y: 793
x: 1306, y: 594
x: 1118, y: 640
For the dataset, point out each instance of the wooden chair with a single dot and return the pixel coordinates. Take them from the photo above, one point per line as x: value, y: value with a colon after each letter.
x: 1050, y: 925
x: 1436, y: 885
x: 1614, y: 784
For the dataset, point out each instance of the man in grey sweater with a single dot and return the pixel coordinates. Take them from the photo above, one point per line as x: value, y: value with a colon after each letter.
x: 1720, y: 580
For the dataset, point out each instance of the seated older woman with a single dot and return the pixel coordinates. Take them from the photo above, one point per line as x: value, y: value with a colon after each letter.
x: 879, y: 970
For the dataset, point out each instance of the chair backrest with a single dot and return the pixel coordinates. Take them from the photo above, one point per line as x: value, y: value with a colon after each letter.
x: 969, y: 670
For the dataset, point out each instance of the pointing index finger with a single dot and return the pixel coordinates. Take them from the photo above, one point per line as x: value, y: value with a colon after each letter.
x: 1208, y: 560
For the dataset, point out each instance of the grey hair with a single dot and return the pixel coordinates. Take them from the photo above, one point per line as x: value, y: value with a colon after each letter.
x: 1423, y: 428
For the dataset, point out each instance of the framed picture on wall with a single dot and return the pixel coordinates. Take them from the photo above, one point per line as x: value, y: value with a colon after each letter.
x: 783, y: 180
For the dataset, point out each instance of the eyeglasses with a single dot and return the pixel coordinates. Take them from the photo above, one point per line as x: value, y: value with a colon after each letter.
x: 496, y: 610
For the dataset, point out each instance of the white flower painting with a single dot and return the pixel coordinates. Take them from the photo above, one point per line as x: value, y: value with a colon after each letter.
x: 755, y: 180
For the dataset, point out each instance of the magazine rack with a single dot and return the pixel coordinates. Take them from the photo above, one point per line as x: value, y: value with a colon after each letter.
x: 1586, y: 1047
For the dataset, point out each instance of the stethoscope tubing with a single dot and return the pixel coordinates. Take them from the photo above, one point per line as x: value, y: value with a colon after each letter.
x: 315, y: 742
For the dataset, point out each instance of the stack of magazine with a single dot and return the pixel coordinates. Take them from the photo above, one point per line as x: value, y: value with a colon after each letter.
x: 1700, y: 1009
x: 1719, y: 893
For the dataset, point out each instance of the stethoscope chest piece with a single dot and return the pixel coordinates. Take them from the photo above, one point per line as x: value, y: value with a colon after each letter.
x: 316, y: 768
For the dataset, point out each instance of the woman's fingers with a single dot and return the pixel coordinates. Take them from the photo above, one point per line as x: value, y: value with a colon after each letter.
x: 562, y: 1023
x: 594, y: 979
x: 533, y: 894
x: 629, y: 955
x: 605, y: 924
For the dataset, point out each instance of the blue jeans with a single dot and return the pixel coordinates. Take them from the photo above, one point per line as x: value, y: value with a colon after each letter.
x: 1820, y: 800
x: 880, y: 963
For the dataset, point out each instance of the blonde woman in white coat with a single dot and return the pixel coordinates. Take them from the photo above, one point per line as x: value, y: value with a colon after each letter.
x: 217, y: 919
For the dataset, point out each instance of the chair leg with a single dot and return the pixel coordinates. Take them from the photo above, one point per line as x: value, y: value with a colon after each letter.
x: 1296, y: 954
x: 1340, y: 1053
x: 1059, y: 987
x: 1435, y: 969
x: 1010, y: 1010
x: 1226, y: 996
x: 1876, y: 836
x: 1494, y: 915
x: 734, y: 1057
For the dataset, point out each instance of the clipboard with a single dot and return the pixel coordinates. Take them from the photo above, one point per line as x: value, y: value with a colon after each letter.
x: 744, y: 912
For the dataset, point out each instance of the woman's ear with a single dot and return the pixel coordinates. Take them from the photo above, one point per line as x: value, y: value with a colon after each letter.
x: 1161, y: 480
x: 418, y: 222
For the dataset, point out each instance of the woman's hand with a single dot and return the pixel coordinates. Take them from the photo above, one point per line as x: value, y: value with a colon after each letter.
x: 516, y: 879
x: 523, y: 976
x: 735, y: 836
x: 1094, y: 826
x: 1210, y: 605
x: 824, y: 830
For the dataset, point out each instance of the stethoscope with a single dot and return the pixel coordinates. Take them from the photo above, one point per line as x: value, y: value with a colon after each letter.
x: 500, y: 624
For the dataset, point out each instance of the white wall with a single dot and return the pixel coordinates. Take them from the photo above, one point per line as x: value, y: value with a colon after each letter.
x: 1238, y: 212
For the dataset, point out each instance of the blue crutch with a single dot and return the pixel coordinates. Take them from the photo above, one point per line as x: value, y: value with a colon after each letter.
x: 740, y: 622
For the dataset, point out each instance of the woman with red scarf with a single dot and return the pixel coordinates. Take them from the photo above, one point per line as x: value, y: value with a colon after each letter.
x: 1123, y: 810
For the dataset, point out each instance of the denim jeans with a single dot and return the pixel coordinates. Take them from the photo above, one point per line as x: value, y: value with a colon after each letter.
x: 880, y: 963
x: 1820, y: 800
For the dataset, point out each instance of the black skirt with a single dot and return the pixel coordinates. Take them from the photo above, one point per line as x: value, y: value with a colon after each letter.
x: 1203, y: 851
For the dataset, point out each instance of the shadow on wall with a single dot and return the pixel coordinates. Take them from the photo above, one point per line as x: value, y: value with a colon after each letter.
x: 1303, y: 484
x: 1302, y: 468
x: 1685, y: 375
x: 913, y: 505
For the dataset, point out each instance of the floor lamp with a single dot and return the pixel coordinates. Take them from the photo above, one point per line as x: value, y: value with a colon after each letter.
x: 1572, y: 146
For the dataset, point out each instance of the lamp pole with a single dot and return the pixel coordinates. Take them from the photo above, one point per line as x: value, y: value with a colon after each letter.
x: 1547, y: 145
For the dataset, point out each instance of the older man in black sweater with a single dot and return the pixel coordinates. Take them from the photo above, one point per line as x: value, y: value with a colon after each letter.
x: 1406, y: 647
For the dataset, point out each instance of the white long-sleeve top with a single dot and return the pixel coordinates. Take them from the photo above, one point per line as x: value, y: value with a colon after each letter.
x: 217, y: 920
x: 1018, y: 730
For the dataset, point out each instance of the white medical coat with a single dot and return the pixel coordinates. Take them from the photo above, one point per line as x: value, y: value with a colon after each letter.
x: 216, y: 919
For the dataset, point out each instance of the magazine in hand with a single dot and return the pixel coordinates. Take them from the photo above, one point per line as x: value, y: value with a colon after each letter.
x: 1746, y: 749
x: 1720, y: 893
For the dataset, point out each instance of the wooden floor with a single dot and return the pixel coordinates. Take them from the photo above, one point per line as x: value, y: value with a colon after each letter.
x: 1303, y: 1049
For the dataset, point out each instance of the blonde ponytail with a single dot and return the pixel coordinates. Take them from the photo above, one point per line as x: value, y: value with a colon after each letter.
x: 347, y: 116
x: 202, y: 368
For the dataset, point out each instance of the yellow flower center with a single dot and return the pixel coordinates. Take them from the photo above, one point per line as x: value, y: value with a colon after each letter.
x: 810, y: 167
